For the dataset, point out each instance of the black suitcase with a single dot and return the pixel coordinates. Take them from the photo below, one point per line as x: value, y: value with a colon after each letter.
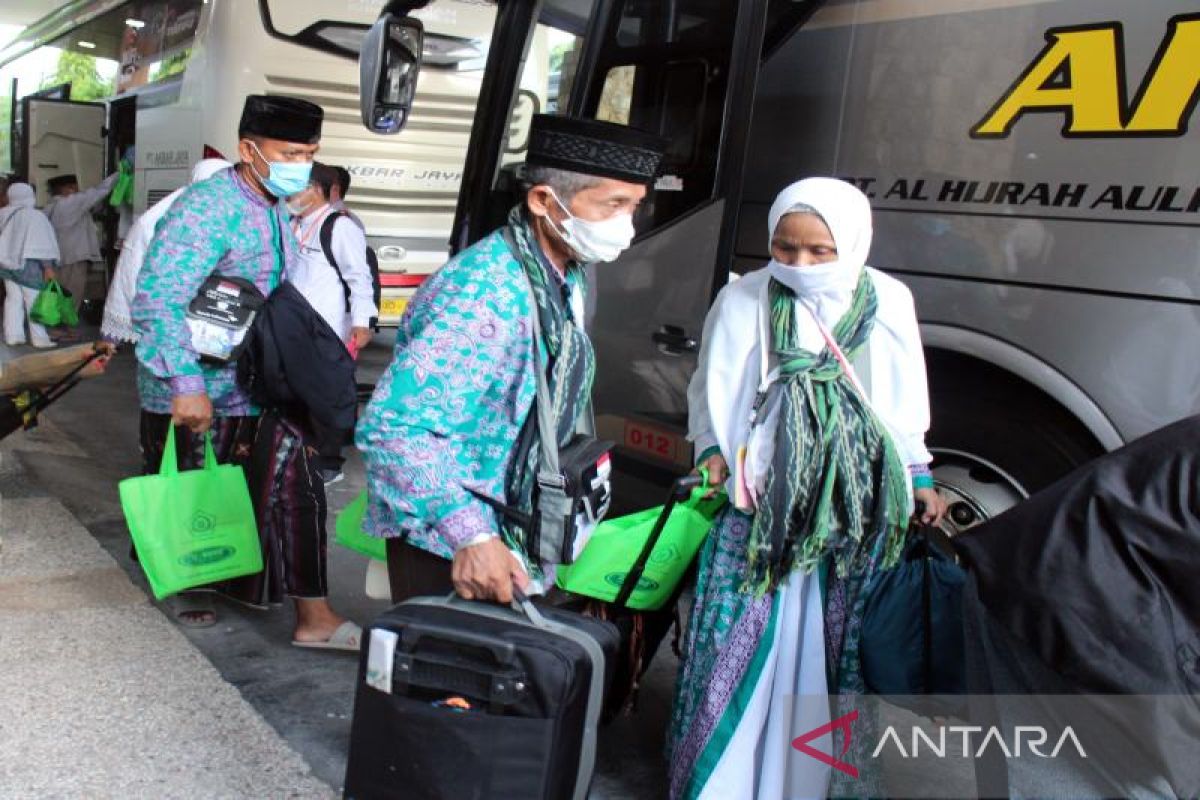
x: 482, y: 702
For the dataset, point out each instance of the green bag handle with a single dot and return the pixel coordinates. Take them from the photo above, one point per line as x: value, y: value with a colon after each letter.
x: 53, y: 287
x: 170, y: 461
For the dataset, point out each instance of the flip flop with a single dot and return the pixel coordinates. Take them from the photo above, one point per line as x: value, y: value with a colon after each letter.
x: 347, y: 638
x: 185, y: 604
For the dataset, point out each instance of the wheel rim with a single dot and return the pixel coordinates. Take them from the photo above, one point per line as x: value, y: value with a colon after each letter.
x: 975, y: 489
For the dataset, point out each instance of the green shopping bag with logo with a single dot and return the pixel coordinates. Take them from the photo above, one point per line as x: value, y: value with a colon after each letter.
x: 348, y: 531
x: 617, y: 546
x: 193, y: 527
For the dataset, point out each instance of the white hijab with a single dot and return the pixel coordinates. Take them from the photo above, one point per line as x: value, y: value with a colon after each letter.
x: 827, y: 289
x: 26, y: 233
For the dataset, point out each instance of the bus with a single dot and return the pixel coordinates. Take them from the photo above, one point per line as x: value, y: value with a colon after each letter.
x: 168, y: 77
x: 1034, y: 170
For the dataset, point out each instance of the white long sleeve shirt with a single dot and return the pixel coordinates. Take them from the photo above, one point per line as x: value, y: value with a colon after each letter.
x: 318, y: 281
x: 71, y: 217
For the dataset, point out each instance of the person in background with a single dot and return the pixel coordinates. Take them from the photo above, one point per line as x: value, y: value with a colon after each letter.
x: 332, y: 273
x: 447, y: 416
x: 811, y: 387
x: 234, y: 225
x: 117, y: 325
x: 70, y: 211
x: 337, y: 196
x: 28, y: 258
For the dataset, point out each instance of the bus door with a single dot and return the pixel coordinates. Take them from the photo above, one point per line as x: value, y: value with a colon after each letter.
x: 685, y: 69
x: 61, y: 137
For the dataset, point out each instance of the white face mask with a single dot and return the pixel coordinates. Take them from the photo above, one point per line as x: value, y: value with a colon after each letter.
x: 594, y: 241
x: 830, y: 279
x: 301, y: 203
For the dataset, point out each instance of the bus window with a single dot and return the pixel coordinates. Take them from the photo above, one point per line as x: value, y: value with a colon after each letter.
x: 661, y: 67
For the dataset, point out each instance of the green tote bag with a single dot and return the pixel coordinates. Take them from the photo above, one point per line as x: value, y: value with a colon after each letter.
x: 194, y: 527
x: 47, y: 308
x: 601, y: 568
x: 66, y: 309
x: 348, y: 531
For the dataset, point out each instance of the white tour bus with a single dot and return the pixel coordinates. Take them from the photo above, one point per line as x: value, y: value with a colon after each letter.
x: 169, y: 76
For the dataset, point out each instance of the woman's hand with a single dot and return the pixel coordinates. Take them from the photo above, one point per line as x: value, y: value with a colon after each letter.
x: 718, y: 472
x: 935, y: 505
x: 49, y: 274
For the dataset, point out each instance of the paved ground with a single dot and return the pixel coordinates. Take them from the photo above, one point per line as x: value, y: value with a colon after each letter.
x: 89, y: 442
x: 102, y: 695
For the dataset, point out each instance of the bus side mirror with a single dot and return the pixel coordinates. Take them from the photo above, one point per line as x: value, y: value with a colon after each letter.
x: 388, y: 65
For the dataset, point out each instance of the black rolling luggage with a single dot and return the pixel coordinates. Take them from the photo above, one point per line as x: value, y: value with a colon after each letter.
x: 461, y: 700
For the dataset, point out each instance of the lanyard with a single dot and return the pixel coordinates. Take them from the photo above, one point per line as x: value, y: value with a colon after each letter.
x: 768, y: 376
x: 298, y: 225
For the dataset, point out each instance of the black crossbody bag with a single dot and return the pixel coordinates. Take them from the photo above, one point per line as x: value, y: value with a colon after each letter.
x: 219, y: 318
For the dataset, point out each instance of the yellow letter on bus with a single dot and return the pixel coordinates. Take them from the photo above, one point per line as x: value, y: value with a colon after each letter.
x: 1076, y: 74
x: 1173, y: 83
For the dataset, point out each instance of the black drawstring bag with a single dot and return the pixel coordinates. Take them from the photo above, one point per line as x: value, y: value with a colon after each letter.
x: 912, y: 633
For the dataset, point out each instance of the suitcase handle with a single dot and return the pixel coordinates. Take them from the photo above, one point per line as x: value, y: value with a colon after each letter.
x: 681, y: 490
x: 520, y: 603
x: 503, y: 652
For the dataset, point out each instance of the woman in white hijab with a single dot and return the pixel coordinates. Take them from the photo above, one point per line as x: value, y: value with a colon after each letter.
x: 810, y: 403
x: 28, y: 256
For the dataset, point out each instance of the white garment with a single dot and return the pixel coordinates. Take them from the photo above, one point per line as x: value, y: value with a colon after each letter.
x: 791, y: 697
x: 118, y: 321
x: 845, y: 210
x: 723, y: 388
x: 72, y: 220
x: 25, y: 231
x: 340, y: 205
x: 18, y: 300
x: 318, y: 280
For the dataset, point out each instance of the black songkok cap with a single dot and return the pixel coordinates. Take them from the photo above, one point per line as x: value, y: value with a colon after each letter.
x: 603, y: 149
x: 59, y: 181
x: 285, y: 118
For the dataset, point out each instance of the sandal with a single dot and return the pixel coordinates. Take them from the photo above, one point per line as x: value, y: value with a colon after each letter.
x: 193, y: 610
x: 347, y: 637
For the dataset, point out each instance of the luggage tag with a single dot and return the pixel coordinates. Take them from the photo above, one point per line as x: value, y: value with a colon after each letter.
x: 595, y: 504
x: 381, y: 655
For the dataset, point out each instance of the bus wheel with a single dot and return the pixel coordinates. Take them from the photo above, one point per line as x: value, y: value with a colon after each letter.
x: 996, y: 440
x: 975, y: 489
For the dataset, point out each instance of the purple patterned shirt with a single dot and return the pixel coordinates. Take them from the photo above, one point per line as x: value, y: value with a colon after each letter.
x: 219, y: 226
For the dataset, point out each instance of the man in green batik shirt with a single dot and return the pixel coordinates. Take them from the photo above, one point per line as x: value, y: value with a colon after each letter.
x: 449, y: 412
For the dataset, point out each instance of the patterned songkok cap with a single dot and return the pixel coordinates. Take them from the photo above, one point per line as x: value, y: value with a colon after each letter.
x: 604, y: 149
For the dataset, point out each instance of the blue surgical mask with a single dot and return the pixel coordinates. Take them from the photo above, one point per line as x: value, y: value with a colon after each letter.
x: 285, y: 177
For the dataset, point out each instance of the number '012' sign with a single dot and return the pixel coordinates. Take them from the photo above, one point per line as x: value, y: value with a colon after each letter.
x: 655, y: 442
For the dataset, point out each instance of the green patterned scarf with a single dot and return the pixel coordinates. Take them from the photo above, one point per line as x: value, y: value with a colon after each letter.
x: 572, y: 367
x: 835, y: 486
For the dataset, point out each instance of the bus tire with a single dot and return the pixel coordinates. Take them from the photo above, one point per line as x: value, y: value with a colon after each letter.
x: 998, y: 441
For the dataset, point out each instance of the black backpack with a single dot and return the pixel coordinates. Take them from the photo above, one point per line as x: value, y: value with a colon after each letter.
x: 372, y: 262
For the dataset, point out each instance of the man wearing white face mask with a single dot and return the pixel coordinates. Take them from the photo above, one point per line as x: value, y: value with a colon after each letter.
x: 452, y: 418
